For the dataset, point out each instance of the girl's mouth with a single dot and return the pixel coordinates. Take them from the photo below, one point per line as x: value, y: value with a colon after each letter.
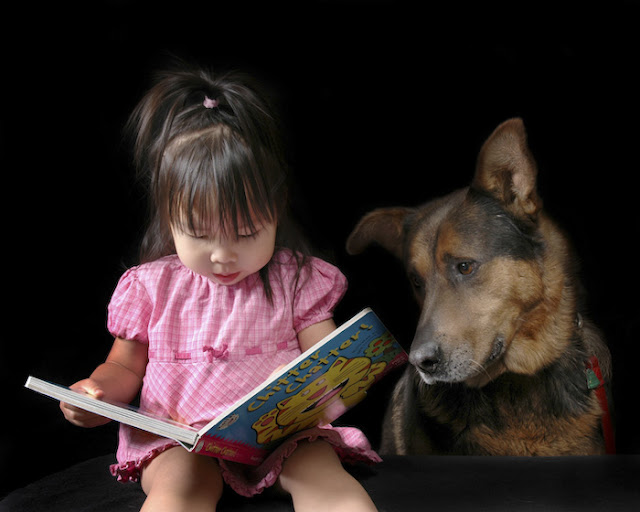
x: 226, y: 278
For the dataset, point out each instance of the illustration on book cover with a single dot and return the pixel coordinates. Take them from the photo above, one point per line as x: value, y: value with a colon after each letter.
x: 314, y: 392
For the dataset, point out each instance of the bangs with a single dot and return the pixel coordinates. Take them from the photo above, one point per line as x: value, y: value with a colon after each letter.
x: 214, y: 183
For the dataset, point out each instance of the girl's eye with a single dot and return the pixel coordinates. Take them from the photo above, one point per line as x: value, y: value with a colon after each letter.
x: 248, y: 236
x: 466, y: 268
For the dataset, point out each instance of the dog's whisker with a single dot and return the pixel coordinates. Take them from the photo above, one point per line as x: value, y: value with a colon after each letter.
x: 482, y: 368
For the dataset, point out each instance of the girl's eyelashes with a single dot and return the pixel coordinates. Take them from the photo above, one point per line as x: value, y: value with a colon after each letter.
x: 249, y: 236
x: 240, y: 236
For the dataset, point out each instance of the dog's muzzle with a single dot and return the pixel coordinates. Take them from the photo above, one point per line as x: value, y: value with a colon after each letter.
x: 434, y: 365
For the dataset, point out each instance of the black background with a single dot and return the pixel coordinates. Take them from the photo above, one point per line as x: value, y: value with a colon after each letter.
x: 385, y: 103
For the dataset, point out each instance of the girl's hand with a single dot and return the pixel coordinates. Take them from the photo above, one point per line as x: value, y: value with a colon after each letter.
x: 119, y: 378
x: 80, y: 417
x: 277, y: 370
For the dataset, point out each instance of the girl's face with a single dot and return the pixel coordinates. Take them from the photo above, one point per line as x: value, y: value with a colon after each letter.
x: 225, y: 260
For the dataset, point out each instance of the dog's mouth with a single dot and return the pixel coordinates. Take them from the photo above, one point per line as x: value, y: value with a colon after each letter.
x: 484, y: 372
x: 497, y: 350
x: 461, y: 366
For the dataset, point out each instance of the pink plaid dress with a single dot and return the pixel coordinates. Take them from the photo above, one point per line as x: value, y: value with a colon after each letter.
x: 209, y: 345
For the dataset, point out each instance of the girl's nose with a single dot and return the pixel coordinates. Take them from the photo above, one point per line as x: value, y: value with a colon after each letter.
x: 223, y: 253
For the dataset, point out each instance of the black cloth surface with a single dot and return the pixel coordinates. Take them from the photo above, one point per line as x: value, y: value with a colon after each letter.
x: 610, y: 483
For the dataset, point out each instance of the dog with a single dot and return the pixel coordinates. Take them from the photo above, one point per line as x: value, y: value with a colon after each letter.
x: 503, y: 353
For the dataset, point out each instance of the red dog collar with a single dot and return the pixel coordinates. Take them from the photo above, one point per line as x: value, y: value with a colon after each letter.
x: 595, y: 381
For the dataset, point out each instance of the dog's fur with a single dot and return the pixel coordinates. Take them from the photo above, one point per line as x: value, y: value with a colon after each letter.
x: 499, y: 354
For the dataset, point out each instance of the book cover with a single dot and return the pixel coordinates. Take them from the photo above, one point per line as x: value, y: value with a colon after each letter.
x: 314, y: 389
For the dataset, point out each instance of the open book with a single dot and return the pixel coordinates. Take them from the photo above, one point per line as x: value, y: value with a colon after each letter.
x: 314, y: 389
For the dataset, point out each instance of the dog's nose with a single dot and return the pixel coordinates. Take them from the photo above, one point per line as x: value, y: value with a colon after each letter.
x: 427, y: 357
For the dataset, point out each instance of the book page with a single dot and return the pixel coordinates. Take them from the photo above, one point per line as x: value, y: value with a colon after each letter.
x: 124, y: 413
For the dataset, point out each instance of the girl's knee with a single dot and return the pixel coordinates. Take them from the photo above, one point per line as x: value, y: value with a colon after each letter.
x: 316, y: 480
x: 312, y: 466
x: 182, y: 477
x: 311, y: 458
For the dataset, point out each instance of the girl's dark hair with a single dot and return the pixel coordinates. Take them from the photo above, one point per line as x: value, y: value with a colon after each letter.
x: 208, y: 143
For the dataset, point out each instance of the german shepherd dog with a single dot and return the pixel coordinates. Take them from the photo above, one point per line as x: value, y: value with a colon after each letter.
x: 500, y: 358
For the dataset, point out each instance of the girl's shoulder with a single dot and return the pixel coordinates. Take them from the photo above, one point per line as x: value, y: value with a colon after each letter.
x: 313, y: 289
x: 166, y: 264
x: 288, y: 261
x: 289, y: 265
x: 158, y: 273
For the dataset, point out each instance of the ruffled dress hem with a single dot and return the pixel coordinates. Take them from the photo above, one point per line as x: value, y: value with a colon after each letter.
x: 251, y: 480
x: 131, y: 470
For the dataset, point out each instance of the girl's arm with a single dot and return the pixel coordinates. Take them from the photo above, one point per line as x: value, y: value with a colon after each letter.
x: 311, y: 335
x: 119, y: 378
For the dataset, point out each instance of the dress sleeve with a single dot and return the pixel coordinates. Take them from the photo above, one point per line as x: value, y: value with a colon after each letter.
x: 130, y: 309
x: 322, y: 286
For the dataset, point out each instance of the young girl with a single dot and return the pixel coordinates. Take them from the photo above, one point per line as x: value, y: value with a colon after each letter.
x: 222, y: 299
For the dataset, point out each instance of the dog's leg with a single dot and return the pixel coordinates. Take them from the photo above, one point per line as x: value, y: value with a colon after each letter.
x: 394, y: 424
x: 402, y: 432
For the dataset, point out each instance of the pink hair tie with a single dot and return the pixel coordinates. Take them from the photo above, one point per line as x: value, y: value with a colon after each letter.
x: 209, y: 103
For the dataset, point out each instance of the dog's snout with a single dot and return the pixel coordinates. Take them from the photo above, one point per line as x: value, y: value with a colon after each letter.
x: 427, y: 357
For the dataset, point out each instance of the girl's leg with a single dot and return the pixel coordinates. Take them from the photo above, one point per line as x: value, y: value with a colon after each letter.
x: 316, y: 480
x: 178, y: 480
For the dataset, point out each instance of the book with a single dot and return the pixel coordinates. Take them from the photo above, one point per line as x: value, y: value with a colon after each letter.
x: 313, y: 390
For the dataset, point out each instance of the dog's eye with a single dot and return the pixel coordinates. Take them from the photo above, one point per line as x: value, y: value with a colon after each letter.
x: 416, y: 280
x: 466, y: 268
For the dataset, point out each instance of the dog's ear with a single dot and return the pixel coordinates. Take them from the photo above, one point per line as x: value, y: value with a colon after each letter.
x: 507, y: 171
x: 383, y: 226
